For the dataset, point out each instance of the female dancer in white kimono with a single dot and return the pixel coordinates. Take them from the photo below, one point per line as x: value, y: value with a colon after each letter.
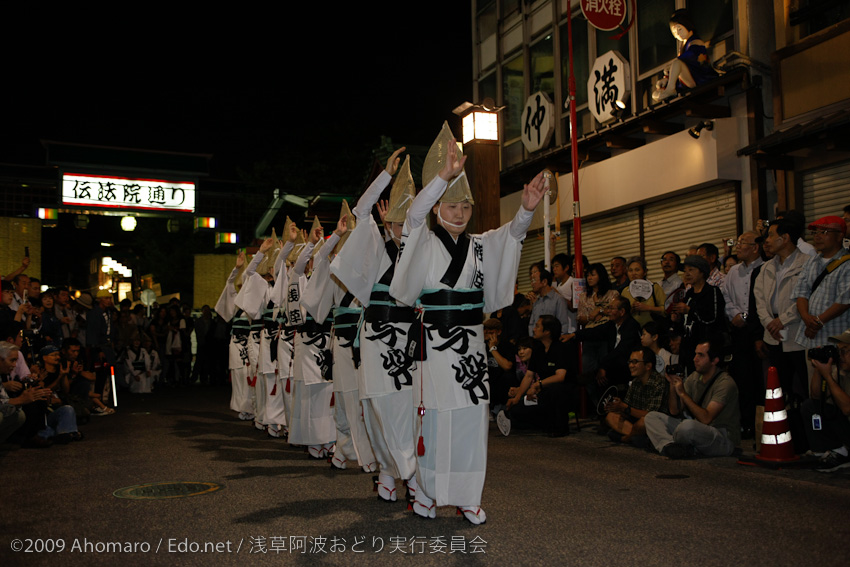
x: 253, y: 299
x: 323, y: 292
x: 452, y: 276
x: 312, y: 418
x: 241, y: 399
x: 366, y: 268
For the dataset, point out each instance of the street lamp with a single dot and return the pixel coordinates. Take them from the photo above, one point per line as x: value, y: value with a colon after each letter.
x: 481, y: 146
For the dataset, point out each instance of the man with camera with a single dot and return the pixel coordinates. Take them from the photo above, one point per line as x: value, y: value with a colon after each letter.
x: 647, y: 392
x: 826, y: 415
x: 704, y: 415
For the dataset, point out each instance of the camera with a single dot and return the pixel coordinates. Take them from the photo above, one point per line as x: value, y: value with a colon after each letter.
x: 730, y: 242
x: 824, y: 353
x: 677, y: 369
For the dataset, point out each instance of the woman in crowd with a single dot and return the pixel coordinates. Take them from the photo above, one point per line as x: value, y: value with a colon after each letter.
x: 644, y: 308
x: 592, y: 313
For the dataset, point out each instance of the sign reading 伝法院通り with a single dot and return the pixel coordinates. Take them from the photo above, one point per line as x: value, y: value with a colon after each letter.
x: 126, y: 193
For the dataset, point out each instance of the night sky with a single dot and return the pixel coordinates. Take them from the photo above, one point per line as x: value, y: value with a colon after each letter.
x: 241, y: 85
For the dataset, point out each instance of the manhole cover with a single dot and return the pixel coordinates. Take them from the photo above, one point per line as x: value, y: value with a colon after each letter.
x: 163, y: 490
x: 671, y: 476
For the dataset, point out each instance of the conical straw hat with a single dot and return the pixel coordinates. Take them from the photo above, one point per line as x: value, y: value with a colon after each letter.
x: 458, y: 190
x: 402, y: 194
x: 350, y: 222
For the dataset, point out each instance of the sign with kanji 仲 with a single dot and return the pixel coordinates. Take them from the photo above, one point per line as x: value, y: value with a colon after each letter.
x: 604, y: 15
x: 609, y: 81
x: 125, y: 193
x: 538, y: 121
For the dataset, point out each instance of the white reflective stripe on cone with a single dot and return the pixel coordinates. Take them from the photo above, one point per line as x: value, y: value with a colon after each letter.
x: 773, y: 416
x: 773, y: 394
x: 776, y: 439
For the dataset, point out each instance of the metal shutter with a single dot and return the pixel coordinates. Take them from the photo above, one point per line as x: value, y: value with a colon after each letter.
x: 681, y: 222
x: 532, y: 251
x: 826, y: 191
x: 611, y: 235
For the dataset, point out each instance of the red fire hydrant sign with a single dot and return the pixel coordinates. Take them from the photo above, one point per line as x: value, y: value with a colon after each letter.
x: 605, y: 15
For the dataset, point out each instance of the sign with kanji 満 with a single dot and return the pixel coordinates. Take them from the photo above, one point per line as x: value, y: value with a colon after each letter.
x: 604, y: 15
x: 83, y: 189
x: 538, y: 121
x: 610, y: 81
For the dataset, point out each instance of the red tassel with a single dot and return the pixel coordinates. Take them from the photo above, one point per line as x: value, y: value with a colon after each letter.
x: 332, y: 399
x: 420, y: 449
x: 274, y: 390
x: 287, y: 386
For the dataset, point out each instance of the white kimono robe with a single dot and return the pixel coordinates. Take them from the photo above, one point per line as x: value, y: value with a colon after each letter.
x: 312, y: 396
x: 238, y: 361
x: 453, y: 385
x: 138, y: 366
x: 323, y: 293
x: 385, y: 377
x: 253, y: 299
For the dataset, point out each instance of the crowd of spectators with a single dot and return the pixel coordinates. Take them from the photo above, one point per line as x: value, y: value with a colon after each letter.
x: 58, y: 353
x: 680, y: 364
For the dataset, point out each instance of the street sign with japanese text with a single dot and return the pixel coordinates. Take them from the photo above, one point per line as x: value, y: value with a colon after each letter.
x: 538, y: 121
x: 609, y: 82
x: 125, y: 193
x: 605, y: 15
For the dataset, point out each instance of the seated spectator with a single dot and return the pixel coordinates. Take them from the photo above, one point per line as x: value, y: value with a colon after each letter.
x: 650, y: 305
x: 704, y: 416
x: 81, y: 389
x: 831, y: 401
x: 649, y: 338
x: 500, y: 364
x: 12, y: 417
x: 622, y: 335
x: 647, y: 392
x: 42, y: 427
x: 542, y: 399
x: 593, y: 312
x: 514, y: 325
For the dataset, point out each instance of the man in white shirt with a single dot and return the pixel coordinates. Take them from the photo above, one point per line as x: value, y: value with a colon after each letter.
x: 670, y: 266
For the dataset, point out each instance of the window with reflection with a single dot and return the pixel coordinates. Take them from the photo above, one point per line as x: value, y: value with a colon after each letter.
x: 656, y: 45
x: 486, y: 21
x: 513, y: 90
x: 543, y: 67
x: 580, y: 60
x: 713, y: 18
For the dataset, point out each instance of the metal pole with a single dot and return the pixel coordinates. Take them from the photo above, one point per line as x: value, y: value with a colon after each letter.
x: 574, y: 151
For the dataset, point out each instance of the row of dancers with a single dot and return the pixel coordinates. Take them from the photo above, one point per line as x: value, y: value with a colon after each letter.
x: 378, y: 356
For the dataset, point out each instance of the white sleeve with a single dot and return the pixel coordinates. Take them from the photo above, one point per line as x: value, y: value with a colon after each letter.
x: 281, y: 257
x: 425, y: 201
x: 521, y: 222
x: 255, y: 261
x: 371, y: 195
x: 303, y: 258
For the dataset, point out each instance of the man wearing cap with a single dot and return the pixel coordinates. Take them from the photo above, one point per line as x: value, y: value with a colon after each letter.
x: 826, y: 415
x: 823, y: 289
x: 778, y: 311
x: 702, y: 311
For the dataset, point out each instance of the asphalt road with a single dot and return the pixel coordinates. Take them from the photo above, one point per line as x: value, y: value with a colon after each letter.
x: 579, y: 500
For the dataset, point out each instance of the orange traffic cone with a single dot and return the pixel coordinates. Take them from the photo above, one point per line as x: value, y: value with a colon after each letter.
x: 776, y: 445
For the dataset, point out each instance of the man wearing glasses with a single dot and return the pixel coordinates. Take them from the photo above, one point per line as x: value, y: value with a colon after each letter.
x: 747, y: 343
x: 823, y: 289
x: 826, y: 416
x: 647, y: 392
